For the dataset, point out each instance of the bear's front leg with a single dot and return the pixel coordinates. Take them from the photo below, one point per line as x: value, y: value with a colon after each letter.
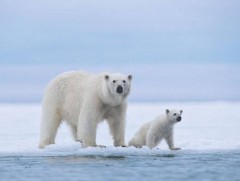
x: 87, y: 128
x: 116, y: 121
x: 117, y: 129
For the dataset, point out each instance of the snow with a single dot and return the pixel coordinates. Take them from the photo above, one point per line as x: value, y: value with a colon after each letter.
x: 206, y: 126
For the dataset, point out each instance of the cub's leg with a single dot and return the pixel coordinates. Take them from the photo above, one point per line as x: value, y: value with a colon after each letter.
x: 153, y: 138
x: 169, y: 140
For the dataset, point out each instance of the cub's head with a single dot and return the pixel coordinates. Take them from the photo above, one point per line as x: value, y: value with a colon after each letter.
x: 118, y: 84
x: 174, y: 116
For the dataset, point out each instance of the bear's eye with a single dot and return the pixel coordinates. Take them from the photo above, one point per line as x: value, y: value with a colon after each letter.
x: 124, y: 81
x: 114, y: 81
x: 174, y: 114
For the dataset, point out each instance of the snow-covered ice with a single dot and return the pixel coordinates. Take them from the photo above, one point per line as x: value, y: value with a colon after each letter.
x: 206, y: 126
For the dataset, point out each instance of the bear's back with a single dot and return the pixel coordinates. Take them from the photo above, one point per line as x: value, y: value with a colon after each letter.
x: 68, y: 81
x: 67, y: 87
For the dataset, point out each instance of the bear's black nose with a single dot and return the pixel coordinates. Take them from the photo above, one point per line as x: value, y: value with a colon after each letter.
x: 179, y: 118
x: 119, y: 89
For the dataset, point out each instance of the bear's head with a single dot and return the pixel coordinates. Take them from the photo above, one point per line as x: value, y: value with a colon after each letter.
x: 118, y: 84
x: 174, y: 116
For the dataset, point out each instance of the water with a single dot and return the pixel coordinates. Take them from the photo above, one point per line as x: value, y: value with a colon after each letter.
x: 184, y: 165
x: 208, y: 135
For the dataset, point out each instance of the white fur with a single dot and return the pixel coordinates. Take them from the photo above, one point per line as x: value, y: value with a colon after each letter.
x: 151, y: 133
x: 83, y: 100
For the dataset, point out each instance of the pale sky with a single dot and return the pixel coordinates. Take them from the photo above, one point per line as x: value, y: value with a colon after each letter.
x: 190, y: 46
x: 77, y: 31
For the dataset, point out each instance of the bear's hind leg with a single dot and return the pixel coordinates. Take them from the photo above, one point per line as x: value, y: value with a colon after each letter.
x: 74, y: 131
x: 49, y: 126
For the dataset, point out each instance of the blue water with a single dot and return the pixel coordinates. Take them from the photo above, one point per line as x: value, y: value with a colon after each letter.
x: 183, y: 165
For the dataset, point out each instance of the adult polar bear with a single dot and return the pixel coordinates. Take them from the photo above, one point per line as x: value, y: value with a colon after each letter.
x: 83, y: 100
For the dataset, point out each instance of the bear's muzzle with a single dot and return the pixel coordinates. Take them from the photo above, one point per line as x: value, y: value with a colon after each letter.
x: 119, y: 89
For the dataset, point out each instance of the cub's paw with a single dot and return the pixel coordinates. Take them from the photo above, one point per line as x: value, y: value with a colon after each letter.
x: 124, y: 146
x: 101, y: 146
x: 175, y: 148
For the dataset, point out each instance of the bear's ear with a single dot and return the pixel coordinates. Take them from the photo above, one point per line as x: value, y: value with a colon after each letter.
x: 167, y: 111
x: 106, y: 77
x: 129, y: 77
x: 181, y: 111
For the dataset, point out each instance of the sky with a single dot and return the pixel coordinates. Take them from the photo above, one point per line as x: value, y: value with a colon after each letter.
x: 176, y: 50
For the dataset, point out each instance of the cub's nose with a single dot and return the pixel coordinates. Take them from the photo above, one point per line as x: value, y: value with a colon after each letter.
x: 179, y: 119
x: 119, y: 89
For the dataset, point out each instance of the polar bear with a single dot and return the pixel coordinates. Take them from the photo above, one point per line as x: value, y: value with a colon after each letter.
x: 151, y: 133
x: 83, y: 100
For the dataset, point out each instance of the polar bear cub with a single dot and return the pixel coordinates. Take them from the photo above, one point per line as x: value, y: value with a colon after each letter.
x: 83, y: 100
x: 151, y: 133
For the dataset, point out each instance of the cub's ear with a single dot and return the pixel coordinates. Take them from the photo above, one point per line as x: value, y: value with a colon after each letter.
x: 167, y: 111
x: 106, y: 77
x: 129, y: 77
x: 181, y: 111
